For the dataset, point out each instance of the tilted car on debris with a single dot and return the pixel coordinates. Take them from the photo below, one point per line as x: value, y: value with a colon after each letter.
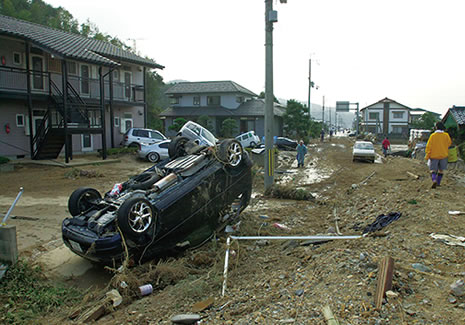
x: 176, y: 204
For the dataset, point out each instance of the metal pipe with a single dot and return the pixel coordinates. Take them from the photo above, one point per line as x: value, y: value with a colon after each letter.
x: 295, y: 237
x: 21, y: 190
x: 226, y: 262
x: 165, y: 182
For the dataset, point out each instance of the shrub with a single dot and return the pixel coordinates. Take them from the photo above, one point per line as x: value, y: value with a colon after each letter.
x: 4, y: 160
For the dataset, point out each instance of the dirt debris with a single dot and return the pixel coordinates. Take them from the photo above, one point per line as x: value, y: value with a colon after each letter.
x: 283, y: 283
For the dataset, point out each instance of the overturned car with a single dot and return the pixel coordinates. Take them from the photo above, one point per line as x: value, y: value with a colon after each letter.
x: 176, y: 204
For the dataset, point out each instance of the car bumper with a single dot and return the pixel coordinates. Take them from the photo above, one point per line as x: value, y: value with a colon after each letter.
x: 87, y: 244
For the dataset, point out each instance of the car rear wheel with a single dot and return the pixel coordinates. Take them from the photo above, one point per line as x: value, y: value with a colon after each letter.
x: 136, y: 217
x: 177, y: 147
x: 230, y: 151
x: 134, y: 145
x: 153, y: 157
x: 82, y: 200
x: 253, y: 144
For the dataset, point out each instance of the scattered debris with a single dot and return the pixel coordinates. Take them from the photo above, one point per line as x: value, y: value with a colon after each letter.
x: 458, y: 288
x: 449, y: 239
x: 3, y: 268
x: 413, y: 175
x: 420, y: 267
x: 329, y: 316
x: 382, y: 221
x: 145, y: 289
x: 391, y: 294
x: 115, y: 297
x: 456, y: 213
x: 385, y: 271
x: 202, y: 305
x: 187, y: 319
x: 281, y: 226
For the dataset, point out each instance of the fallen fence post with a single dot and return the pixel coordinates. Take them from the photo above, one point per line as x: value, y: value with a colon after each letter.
x: 386, y: 269
x: 228, y: 244
x: 413, y: 175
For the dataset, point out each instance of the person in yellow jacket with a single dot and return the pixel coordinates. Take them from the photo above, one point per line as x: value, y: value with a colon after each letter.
x: 436, y: 152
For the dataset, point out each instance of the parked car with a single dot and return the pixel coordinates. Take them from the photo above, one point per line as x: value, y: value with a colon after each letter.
x: 154, y: 152
x: 248, y: 139
x: 176, y: 204
x: 363, y: 150
x: 134, y: 137
x: 198, y: 133
x: 285, y: 143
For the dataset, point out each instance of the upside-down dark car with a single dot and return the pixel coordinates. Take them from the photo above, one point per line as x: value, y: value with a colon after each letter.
x: 174, y: 205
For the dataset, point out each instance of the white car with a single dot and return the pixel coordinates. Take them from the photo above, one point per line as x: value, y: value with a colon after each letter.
x: 248, y: 139
x: 363, y: 150
x: 154, y: 152
x: 198, y: 133
x: 134, y: 137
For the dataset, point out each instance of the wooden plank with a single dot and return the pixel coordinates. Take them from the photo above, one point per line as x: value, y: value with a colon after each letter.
x: 329, y: 316
x: 384, y: 283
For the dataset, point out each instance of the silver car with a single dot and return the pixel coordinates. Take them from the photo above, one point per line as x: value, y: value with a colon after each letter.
x: 135, y: 137
x: 154, y: 152
x: 198, y: 133
x: 363, y: 150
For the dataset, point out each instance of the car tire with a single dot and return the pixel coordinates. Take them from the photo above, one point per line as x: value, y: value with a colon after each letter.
x: 177, y: 148
x: 231, y: 152
x: 142, y: 181
x: 136, y: 216
x: 153, y: 157
x: 82, y: 199
x: 253, y: 144
x: 134, y: 145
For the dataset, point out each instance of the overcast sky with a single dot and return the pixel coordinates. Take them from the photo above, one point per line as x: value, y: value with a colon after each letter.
x: 412, y: 51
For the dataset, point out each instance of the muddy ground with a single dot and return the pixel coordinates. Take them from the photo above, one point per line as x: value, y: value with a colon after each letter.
x: 275, y: 282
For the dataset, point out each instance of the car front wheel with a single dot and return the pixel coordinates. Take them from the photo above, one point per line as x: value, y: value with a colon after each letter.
x: 136, y: 216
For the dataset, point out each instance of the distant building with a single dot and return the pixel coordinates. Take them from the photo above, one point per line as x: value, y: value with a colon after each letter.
x: 65, y: 93
x: 219, y: 100
x: 416, y: 113
x: 386, y: 117
x: 455, y: 117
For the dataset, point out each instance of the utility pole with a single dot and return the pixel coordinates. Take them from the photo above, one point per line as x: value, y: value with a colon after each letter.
x: 323, y: 113
x: 269, y: 97
x: 329, y: 111
x: 309, y: 88
x: 358, y: 122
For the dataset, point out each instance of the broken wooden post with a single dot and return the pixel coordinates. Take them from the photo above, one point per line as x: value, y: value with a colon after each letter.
x: 413, y: 175
x: 329, y: 316
x: 385, y: 271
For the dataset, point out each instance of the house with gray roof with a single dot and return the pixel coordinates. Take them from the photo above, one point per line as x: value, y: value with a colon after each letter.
x: 455, y: 118
x: 219, y: 100
x: 64, y: 93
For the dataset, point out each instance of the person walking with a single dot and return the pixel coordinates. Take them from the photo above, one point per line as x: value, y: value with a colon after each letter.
x: 322, y: 135
x: 386, y: 145
x: 301, y: 152
x: 436, y: 152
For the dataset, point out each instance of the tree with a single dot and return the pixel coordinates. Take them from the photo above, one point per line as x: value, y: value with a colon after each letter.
x: 206, y: 122
x: 177, y: 124
x: 228, y: 127
x: 425, y: 122
x: 262, y: 95
x: 296, y: 122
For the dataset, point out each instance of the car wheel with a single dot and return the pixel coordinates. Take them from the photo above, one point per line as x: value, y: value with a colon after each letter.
x: 230, y: 151
x: 134, y: 145
x: 153, y: 157
x: 253, y: 144
x: 143, y: 181
x: 82, y: 200
x: 136, y: 216
x: 177, y: 148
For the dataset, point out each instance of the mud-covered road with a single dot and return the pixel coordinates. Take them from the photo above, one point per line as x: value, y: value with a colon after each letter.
x: 274, y: 282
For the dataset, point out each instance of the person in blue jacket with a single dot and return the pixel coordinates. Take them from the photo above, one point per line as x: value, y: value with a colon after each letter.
x: 301, y: 152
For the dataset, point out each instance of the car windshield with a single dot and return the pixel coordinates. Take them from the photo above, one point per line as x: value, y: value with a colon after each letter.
x: 366, y: 146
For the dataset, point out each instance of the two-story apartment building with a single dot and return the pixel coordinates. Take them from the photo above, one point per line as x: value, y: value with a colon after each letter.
x: 64, y: 93
x: 386, y: 117
x: 219, y: 100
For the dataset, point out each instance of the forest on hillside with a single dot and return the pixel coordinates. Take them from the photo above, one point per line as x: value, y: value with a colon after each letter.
x: 37, y: 11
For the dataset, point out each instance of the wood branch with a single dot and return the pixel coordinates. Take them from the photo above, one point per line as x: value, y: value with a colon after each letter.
x: 386, y: 269
x: 329, y: 316
x: 413, y: 175
x: 366, y: 179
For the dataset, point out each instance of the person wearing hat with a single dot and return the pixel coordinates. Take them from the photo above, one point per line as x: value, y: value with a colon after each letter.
x: 436, y: 152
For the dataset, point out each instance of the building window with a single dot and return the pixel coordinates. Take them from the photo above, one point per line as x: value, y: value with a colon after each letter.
x: 20, y: 120
x: 397, y: 129
x: 398, y: 114
x: 17, y: 59
x: 196, y: 100
x: 72, y: 68
x: 239, y: 99
x: 116, y: 75
x: 116, y: 121
x: 213, y: 100
x: 174, y: 100
x: 373, y: 116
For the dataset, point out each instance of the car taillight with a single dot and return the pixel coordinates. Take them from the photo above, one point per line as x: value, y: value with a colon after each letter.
x: 126, y: 138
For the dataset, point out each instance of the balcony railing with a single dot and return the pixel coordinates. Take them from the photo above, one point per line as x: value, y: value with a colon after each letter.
x: 15, y: 80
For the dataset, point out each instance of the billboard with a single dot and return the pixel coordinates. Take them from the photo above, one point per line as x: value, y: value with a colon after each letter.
x: 342, y: 106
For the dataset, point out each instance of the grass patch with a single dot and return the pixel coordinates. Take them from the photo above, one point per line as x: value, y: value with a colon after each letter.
x: 119, y: 151
x: 289, y: 192
x: 4, y: 160
x: 413, y: 201
x: 26, y: 294
x: 76, y: 173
